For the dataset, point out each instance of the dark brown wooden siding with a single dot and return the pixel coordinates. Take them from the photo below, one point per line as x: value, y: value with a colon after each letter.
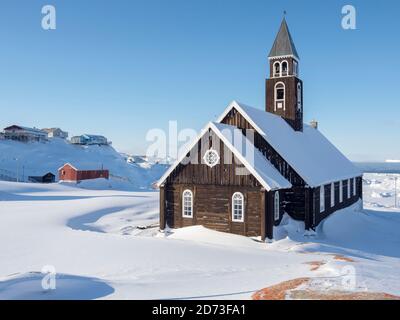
x: 212, y: 190
x: 294, y: 202
x: 347, y: 201
x: 225, y: 173
x: 291, y: 113
x: 212, y: 208
x: 270, y: 220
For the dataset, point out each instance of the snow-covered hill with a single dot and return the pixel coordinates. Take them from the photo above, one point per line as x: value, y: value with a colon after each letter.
x: 21, y: 160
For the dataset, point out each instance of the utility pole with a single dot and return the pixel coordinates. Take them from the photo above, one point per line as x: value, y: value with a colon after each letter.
x: 16, y: 162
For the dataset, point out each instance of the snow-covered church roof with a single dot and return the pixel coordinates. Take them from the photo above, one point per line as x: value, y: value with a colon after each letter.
x: 309, y: 153
x: 256, y: 164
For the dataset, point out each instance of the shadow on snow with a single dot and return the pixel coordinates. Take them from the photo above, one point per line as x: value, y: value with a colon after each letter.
x: 29, y: 287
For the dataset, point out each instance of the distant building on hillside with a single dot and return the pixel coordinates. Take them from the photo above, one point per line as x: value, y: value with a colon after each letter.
x: 137, y: 159
x: 55, y: 133
x: 90, y: 139
x: 71, y: 173
x: 2, y: 136
x: 24, y: 134
x: 47, y: 178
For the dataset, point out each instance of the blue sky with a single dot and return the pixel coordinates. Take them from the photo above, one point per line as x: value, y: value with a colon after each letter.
x: 120, y: 68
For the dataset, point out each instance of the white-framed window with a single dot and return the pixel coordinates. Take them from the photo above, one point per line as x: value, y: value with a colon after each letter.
x: 277, y: 206
x: 348, y: 188
x: 341, y: 191
x: 322, y: 199
x: 299, y: 96
x: 284, y: 68
x: 295, y: 68
x: 332, y: 194
x: 238, y: 207
x: 280, y: 96
x: 277, y: 69
x: 354, y: 186
x: 187, y: 204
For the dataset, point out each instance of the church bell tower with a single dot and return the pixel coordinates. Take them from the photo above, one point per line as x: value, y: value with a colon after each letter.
x: 284, y: 89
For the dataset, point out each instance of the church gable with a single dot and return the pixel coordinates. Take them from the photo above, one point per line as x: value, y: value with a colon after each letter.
x: 239, y: 163
x: 223, y: 173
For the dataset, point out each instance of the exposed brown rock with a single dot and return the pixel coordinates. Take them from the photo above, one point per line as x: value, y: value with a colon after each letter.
x: 342, y: 258
x: 288, y: 290
x: 278, y: 292
x: 315, y: 265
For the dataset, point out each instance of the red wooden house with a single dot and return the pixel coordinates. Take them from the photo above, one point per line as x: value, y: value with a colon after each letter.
x: 68, y: 172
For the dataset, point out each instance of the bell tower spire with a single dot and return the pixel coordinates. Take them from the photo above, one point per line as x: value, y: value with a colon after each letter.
x: 284, y: 89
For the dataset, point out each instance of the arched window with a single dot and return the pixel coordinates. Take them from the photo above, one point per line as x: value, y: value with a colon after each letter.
x: 285, y: 69
x: 299, y: 96
x: 277, y: 206
x: 354, y: 186
x: 280, y: 96
x: 277, y: 69
x: 322, y: 199
x: 341, y: 191
x: 332, y: 194
x: 295, y: 68
x: 187, y: 204
x: 237, y: 207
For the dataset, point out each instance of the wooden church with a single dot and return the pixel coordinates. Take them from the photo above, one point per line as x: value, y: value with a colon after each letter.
x: 248, y: 168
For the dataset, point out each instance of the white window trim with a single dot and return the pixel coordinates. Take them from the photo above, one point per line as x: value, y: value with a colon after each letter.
x: 348, y: 188
x: 287, y: 70
x: 332, y: 194
x: 233, y: 207
x: 354, y: 186
x: 299, y: 96
x: 295, y: 67
x: 322, y: 199
x: 183, y: 204
x: 277, y: 208
x: 284, y: 95
x: 276, y: 75
x: 340, y: 191
x: 283, y: 57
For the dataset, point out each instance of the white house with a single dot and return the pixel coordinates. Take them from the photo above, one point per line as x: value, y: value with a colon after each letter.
x: 55, y: 133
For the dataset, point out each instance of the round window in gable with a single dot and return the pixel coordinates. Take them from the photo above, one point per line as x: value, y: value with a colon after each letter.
x: 211, y: 158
